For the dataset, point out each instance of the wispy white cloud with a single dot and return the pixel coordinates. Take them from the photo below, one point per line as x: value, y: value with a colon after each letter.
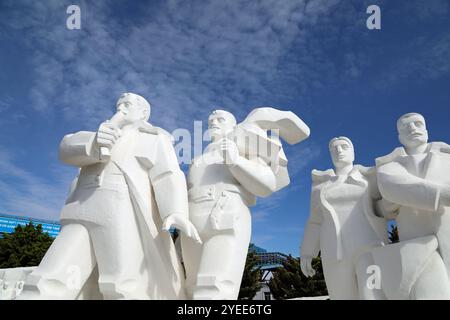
x: 427, y: 59
x: 186, y: 57
x: 262, y: 239
x: 425, y: 11
x: 267, y: 208
x: 26, y: 194
x: 259, y: 216
x: 302, y: 156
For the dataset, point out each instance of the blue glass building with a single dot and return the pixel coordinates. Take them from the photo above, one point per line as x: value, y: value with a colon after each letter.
x: 8, y: 222
x: 268, y: 261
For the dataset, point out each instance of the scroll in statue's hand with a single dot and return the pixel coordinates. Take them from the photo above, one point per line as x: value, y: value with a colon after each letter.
x: 107, y: 135
x: 230, y: 151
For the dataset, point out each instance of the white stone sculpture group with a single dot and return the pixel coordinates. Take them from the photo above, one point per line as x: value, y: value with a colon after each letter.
x: 351, y: 205
x: 114, y: 241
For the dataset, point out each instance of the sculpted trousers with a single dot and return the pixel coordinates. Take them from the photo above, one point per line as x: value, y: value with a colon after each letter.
x: 347, y: 279
x: 214, y: 269
x: 433, y: 282
x: 107, y: 238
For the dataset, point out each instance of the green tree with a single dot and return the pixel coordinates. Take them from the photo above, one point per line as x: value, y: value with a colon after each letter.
x: 251, y: 278
x: 393, y: 234
x: 289, y: 282
x: 175, y: 234
x: 25, y: 247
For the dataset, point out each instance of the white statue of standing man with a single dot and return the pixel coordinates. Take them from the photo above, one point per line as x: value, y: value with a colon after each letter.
x: 414, y: 181
x: 343, y: 225
x: 129, y: 192
x: 241, y: 163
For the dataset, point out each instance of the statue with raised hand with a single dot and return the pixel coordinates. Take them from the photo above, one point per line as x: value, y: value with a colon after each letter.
x: 242, y: 162
x: 114, y: 241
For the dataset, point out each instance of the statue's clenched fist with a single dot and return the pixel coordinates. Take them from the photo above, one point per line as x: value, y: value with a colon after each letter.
x: 107, y: 135
x: 230, y: 151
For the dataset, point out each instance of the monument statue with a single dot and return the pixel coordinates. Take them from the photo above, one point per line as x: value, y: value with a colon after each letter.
x: 343, y: 225
x: 414, y: 181
x: 130, y: 190
x: 241, y: 163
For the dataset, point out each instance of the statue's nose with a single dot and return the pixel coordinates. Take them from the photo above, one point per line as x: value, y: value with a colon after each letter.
x: 411, y: 126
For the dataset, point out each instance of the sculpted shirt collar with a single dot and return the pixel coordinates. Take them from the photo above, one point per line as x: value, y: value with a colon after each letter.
x: 329, y: 175
x: 141, y: 126
x: 401, y: 153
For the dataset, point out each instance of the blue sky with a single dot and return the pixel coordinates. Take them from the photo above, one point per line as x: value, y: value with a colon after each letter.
x: 316, y: 58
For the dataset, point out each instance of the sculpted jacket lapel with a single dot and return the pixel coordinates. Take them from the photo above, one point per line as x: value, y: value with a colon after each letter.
x: 326, y: 181
x: 437, y: 170
x: 357, y: 178
x: 362, y: 176
x: 436, y: 163
x: 159, y: 249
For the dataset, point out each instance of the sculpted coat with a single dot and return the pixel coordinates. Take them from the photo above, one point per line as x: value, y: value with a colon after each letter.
x: 344, y: 225
x: 418, y: 266
x: 367, y: 228
x: 112, y: 244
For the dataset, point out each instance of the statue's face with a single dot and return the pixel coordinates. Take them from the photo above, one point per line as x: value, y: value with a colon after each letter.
x: 342, y: 153
x: 219, y: 126
x: 131, y: 111
x: 412, y: 131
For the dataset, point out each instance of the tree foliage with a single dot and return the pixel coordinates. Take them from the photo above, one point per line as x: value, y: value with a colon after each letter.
x: 251, y: 280
x: 25, y: 247
x: 289, y: 282
x: 175, y: 234
x: 393, y: 234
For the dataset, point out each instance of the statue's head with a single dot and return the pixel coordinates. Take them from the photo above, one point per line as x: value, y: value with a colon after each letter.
x: 133, y: 107
x: 412, y: 130
x: 220, y: 123
x: 342, y: 151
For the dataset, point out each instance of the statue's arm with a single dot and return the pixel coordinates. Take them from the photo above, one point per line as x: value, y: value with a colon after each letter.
x: 400, y: 187
x: 168, y: 181
x: 254, y: 175
x: 381, y: 207
x: 310, y: 246
x: 386, y: 209
x: 79, y: 149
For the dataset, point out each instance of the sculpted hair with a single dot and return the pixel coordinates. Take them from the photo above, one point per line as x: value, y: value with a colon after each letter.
x: 140, y: 101
x: 407, y: 115
x: 227, y: 115
x: 350, y: 143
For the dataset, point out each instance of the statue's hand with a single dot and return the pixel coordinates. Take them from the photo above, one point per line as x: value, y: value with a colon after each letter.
x: 183, y: 224
x: 230, y: 151
x: 107, y: 135
x: 306, y: 266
